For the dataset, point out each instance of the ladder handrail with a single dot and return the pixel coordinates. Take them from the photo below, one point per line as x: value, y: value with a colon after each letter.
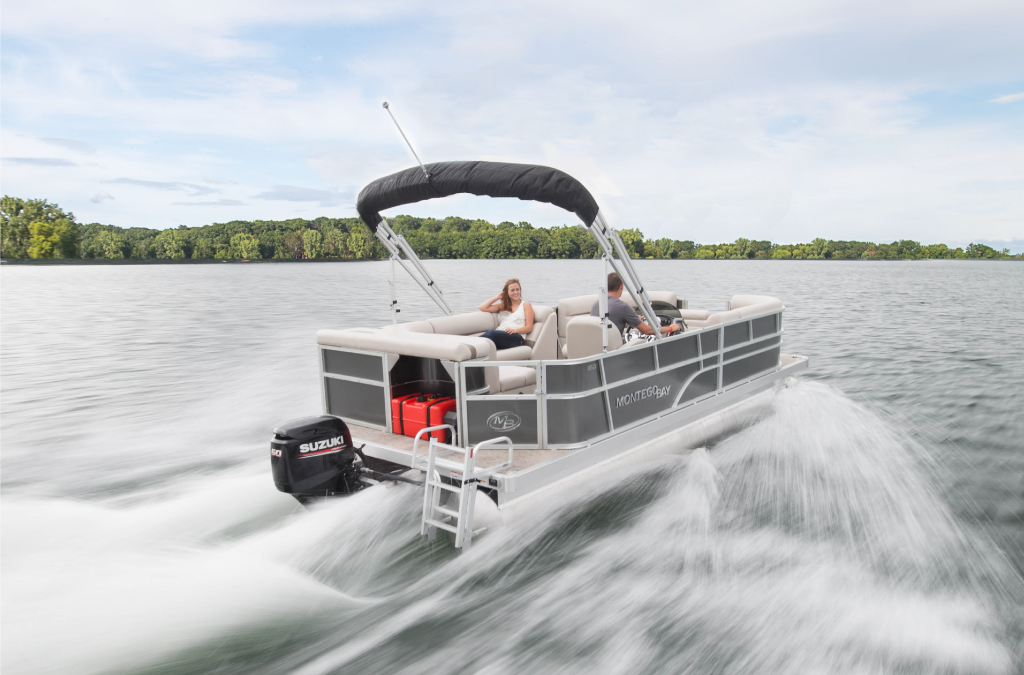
x: 490, y: 470
x: 460, y: 523
x: 426, y: 430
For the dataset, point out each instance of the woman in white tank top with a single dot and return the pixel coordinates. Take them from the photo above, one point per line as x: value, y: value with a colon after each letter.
x: 515, y: 317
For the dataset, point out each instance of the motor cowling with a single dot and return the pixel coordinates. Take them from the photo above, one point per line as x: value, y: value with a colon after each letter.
x: 314, y: 457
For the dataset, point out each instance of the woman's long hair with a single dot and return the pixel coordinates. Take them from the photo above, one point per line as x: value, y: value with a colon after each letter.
x: 506, y: 302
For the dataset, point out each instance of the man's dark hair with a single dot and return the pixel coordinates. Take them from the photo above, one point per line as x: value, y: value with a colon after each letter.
x: 614, y: 282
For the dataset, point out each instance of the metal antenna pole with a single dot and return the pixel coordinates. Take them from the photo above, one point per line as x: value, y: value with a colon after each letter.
x: 406, y: 139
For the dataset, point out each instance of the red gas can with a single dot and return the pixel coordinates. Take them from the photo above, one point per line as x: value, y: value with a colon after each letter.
x: 397, y: 427
x: 423, y: 411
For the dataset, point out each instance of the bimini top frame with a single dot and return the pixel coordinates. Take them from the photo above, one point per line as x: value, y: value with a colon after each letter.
x: 492, y: 179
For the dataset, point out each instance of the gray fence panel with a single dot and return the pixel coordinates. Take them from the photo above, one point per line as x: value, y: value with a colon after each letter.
x: 575, y: 420
x: 705, y: 383
x: 628, y: 363
x: 649, y: 396
x: 515, y: 419
x: 753, y: 347
x: 363, y: 366
x: 709, y: 341
x: 736, y: 334
x: 572, y: 378
x: 677, y: 350
x: 356, y: 400
x: 764, y: 325
x: 750, y: 366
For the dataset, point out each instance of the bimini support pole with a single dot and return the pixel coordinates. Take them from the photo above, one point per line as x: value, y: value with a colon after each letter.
x: 396, y: 246
x: 393, y: 292
x: 602, y: 294
x: 610, y: 244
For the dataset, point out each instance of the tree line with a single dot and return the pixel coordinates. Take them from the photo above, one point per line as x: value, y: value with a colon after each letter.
x: 35, y: 228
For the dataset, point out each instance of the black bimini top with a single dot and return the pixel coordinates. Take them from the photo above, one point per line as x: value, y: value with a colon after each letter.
x: 491, y: 179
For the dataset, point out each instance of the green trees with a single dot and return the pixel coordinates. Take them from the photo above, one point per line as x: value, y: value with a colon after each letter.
x: 245, y: 246
x: 109, y: 245
x: 53, y: 239
x: 38, y: 229
x: 172, y: 245
x: 313, y: 244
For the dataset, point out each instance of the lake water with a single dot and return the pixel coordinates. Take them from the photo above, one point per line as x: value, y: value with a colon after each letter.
x: 874, y: 523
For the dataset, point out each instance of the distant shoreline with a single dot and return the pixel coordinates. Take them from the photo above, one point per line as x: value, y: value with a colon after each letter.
x: 48, y: 262
x: 37, y: 230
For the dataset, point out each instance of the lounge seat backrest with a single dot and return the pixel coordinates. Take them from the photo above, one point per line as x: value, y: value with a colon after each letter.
x: 543, y: 339
x: 749, y: 305
x: 741, y: 307
x: 572, y: 307
x: 655, y: 296
x: 411, y: 343
x: 583, y: 337
x: 470, y: 323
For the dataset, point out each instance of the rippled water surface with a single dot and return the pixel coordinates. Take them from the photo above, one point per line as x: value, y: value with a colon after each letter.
x: 873, y: 522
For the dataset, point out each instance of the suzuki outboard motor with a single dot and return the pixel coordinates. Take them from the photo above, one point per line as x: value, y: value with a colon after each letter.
x: 314, y: 457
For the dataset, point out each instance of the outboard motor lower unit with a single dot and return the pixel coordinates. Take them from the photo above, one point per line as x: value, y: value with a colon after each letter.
x: 314, y: 457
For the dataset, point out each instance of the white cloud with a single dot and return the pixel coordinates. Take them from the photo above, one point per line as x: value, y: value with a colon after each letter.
x: 161, y: 185
x: 218, y: 202
x: 101, y: 197
x: 291, y: 193
x: 71, y: 144
x: 793, y: 119
x: 39, y: 161
x: 1010, y: 98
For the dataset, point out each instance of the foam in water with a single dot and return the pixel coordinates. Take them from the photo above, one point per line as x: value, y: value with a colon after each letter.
x: 813, y: 541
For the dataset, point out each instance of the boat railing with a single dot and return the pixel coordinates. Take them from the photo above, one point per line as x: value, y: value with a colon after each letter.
x: 580, y: 401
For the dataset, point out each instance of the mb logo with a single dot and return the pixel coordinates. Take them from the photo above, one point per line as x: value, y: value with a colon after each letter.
x: 504, y: 421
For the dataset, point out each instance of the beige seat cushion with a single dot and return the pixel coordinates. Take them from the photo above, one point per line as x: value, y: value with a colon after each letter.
x: 655, y: 296
x: 543, y: 340
x: 516, y: 379
x: 523, y: 353
x: 411, y: 327
x: 743, y: 306
x: 746, y: 300
x: 572, y: 307
x: 470, y: 323
x: 449, y: 347
x: 583, y: 337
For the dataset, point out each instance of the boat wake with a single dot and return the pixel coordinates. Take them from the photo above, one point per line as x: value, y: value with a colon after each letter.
x: 816, y: 540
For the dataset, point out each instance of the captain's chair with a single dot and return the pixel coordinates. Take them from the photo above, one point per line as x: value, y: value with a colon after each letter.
x: 579, y: 306
x: 583, y: 337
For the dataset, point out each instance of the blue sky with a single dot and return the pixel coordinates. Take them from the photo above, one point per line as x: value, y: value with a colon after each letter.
x: 785, y: 120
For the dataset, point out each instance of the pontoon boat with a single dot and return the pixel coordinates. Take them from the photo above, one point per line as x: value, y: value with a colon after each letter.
x: 491, y: 434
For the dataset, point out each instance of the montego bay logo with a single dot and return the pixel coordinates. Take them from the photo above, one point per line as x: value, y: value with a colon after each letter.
x: 324, y: 447
x: 641, y: 394
x: 504, y: 421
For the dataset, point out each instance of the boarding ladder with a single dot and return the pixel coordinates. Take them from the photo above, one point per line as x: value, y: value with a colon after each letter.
x: 435, y: 516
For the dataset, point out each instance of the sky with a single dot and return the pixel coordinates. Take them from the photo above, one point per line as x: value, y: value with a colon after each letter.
x: 868, y: 120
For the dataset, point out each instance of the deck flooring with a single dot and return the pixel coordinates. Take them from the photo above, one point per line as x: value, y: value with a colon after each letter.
x: 521, y: 459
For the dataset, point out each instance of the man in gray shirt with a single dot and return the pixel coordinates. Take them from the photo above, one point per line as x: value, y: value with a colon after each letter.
x: 621, y: 314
